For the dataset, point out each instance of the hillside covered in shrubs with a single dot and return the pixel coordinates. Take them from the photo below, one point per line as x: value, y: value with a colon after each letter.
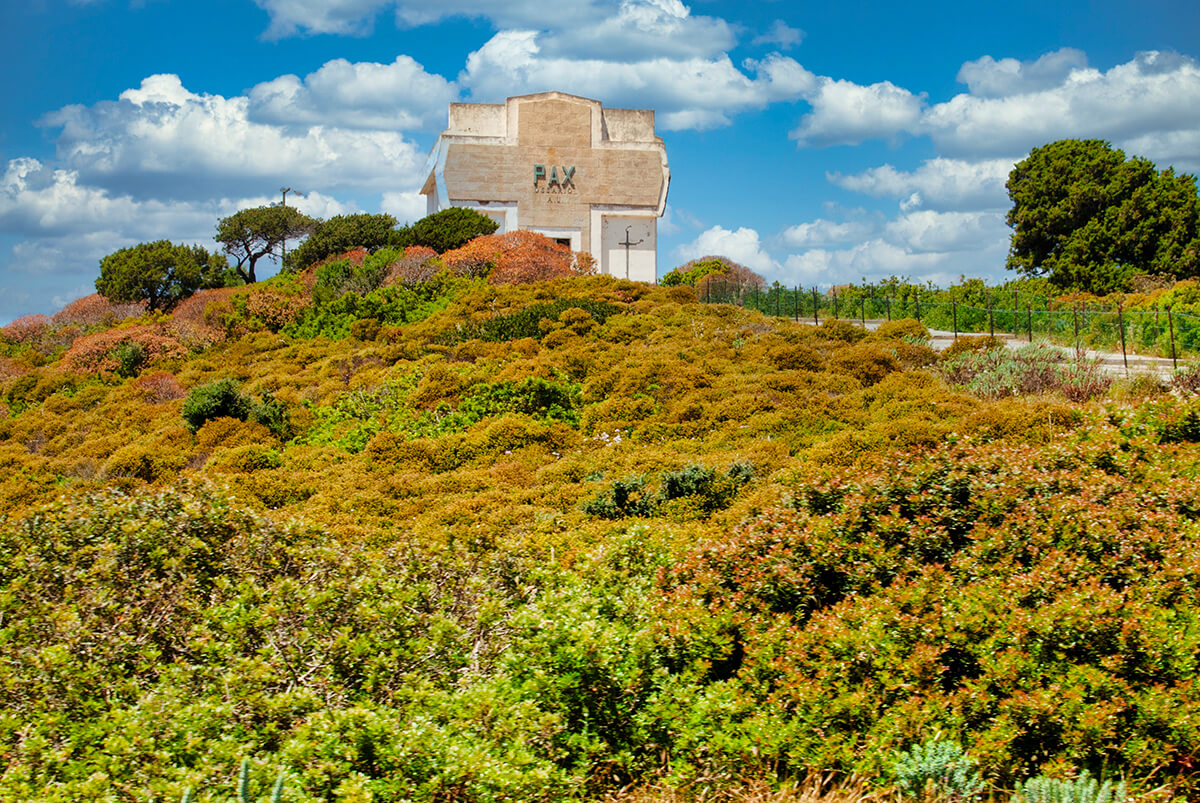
x: 479, y: 527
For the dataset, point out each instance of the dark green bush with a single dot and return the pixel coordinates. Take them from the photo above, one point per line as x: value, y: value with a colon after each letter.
x: 224, y: 399
x: 699, y: 489
x: 220, y: 399
x: 448, y: 229
x: 709, y: 490
x: 387, y: 306
x: 624, y: 498
x: 131, y: 356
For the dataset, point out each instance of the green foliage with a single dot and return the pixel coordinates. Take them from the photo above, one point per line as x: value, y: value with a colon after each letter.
x: 220, y: 399
x: 535, y: 397
x: 223, y: 398
x: 526, y: 322
x: 346, y: 292
x: 131, y: 356
x: 691, y: 273
x: 1091, y: 220
x: 1083, y: 789
x: 158, y: 273
x: 998, y: 372
x: 475, y: 610
x: 448, y: 229
x: 624, y: 498
x: 342, y: 276
x: 696, y: 489
x: 248, y: 235
x: 940, y: 767
x: 340, y: 234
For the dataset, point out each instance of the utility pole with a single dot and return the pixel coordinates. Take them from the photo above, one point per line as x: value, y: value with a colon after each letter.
x: 283, y: 245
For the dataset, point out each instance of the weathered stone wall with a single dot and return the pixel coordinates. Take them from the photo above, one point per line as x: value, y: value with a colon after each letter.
x: 595, y: 163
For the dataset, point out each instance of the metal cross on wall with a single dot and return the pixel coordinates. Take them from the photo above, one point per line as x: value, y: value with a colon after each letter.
x: 628, y: 245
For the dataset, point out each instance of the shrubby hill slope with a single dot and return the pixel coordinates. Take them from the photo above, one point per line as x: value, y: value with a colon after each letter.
x: 413, y: 536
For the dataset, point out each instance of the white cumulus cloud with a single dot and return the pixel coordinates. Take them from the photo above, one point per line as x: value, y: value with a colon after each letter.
x: 356, y: 95
x: 741, y: 245
x: 846, y: 113
x: 928, y: 231
x: 821, y: 232
x: 990, y: 78
x: 161, y: 140
x: 615, y: 29
x: 686, y: 93
x: 938, y: 183
x: 1146, y: 100
x: 780, y: 33
x: 406, y: 207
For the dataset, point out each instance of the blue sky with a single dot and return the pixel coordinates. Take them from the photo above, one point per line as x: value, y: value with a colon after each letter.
x: 818, y: 143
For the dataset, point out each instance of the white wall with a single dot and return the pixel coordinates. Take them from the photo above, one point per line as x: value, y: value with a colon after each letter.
x: 642, y: 257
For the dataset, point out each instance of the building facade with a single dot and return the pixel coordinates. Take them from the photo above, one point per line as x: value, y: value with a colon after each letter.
x: 592, y: 178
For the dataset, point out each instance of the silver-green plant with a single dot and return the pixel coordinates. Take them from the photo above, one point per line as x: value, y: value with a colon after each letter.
x: 1083, y: 789
x: 938, y: 768
x: 243, y: 786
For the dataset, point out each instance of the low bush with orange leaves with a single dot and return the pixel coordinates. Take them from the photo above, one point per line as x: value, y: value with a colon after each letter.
x: 515, y: 257
x: 418, y: 265
x: 103, y: 352
x: 10, y: 368
x: 158, y: 387
x: 26, y: 330
x: 96, y: 310
x: 39, y: 333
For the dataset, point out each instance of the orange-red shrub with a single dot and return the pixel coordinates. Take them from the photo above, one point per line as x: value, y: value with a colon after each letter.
x: 517, y: 257
x: 199, y: 320
x: 97, y: 352
x: 419, y: 264
x: 10, y: 368
x: 96, y: 310
x: 158, y: 387
x: 274, y: 309
x: 28, y: 329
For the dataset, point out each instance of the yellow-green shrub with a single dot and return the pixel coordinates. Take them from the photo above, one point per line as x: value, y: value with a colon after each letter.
x: 868, y: 362
x: 904, y: 327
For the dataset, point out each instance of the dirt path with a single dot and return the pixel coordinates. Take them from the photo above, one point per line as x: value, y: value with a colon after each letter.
x: 1111, y: 362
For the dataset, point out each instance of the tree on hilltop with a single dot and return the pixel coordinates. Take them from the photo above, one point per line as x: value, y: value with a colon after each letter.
x: 159, y: 273
x: 343, y: 233
x: 1089, y: 219
x: 251, y: 234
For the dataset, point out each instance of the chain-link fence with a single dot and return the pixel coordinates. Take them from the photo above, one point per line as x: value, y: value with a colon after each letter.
x: 1159, y: 332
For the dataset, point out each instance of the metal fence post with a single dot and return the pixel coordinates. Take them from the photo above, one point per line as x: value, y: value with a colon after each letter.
x: 862, y: 310
x: 1029, y: 320
x: 835, y: 309
x: 816, y: 319
x: 1121, y: 326
x: 1016, y: 311
x: 888, y: 299
x: 1075, y: 312
x: 1171, y: 324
